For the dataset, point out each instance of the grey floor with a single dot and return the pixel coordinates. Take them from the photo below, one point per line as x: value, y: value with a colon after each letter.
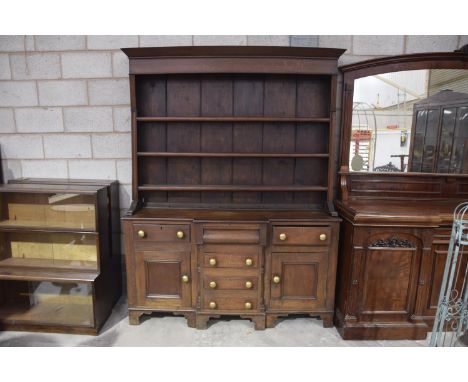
x: 168, y: 330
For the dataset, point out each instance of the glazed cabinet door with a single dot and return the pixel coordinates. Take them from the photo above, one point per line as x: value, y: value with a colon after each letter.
x: 298, y: 281
x: 163, y: 279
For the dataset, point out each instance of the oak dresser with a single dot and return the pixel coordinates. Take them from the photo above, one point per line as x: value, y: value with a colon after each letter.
x: 233, y: 183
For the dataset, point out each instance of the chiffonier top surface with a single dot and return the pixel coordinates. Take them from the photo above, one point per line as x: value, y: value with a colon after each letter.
x: 231, y: 215
x: 50, y: 188
x: 421, y: 213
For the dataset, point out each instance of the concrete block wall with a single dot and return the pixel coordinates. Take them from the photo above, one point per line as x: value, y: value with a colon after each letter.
x: 64, y: 100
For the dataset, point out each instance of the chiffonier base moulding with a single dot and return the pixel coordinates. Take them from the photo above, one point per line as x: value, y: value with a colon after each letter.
x: 60, y: 263
x: 232, y: 157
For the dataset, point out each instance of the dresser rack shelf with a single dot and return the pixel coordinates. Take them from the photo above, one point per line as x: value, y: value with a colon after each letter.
x: 234, y: 119
x: 223, y: 187
x: 232, y: 155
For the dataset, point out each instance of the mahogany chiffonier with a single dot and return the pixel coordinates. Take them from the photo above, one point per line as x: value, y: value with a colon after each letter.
x: 60, y: 263
x: 233, y: 183
x: 396, y: 225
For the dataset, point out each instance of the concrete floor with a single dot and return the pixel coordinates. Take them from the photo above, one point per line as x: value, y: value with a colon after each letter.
x: 169, y: 330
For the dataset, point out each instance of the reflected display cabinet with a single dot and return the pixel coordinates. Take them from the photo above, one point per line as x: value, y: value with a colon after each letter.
x: 440, y: 139
x: 232, y: 209
x: 59, y: 254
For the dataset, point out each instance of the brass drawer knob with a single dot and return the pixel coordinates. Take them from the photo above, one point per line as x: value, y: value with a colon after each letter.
x: 276, y: 279
x: 185, y: 279
x: 248, y: 305
x: 323, y: 237
x: 141, y: 234
x: 282, y: 236
x: 180, y: 235
x: 248, y: 262
x: 248, y: 284
x: 213, y: 284
x: 212, y: 262
x: 213, y: 305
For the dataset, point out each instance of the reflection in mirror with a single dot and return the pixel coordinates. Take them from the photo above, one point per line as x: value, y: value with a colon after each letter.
x: 414, y: 121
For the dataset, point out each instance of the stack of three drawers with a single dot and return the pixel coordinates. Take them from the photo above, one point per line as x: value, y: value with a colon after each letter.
x: 231, y: 268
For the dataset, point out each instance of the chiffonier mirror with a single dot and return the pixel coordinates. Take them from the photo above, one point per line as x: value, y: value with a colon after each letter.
x: 407, y: 117
x: 404, y: 169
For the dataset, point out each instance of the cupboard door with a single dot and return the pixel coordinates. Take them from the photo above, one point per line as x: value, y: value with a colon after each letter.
x: 163, y: 279
x: 387, y: 287
x: 298, y: 281
x: 438, y: 258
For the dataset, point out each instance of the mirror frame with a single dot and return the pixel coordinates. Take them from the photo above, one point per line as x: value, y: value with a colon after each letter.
x: 443, y: 60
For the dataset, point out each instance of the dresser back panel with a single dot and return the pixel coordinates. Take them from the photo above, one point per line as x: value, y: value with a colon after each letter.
x: 185, y: 115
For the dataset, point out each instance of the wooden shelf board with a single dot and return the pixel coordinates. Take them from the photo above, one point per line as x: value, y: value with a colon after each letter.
x: 39, y: 226
x: 232, y: 155
x: 221, y: 188
x: 48, y: 313
x: 235, y: 119
x: 77, y: 265
x: 35, y: 274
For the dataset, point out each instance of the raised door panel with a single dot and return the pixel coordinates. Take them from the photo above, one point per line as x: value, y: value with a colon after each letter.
x: 387, y: 289
x: 439, y: 256
x: 298, y: 281
x: 159, y: 279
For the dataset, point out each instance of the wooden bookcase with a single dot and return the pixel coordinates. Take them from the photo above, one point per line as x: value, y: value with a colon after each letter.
x: 60, y: 264
x: 232, y: 153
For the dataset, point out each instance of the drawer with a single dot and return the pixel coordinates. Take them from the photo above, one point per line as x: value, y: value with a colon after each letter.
x: 235, y: 234
x: 231, y: 260
x: 301, y: 235
x: 229, y: 282
x: 161, y: 233
x: 229, y: 302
